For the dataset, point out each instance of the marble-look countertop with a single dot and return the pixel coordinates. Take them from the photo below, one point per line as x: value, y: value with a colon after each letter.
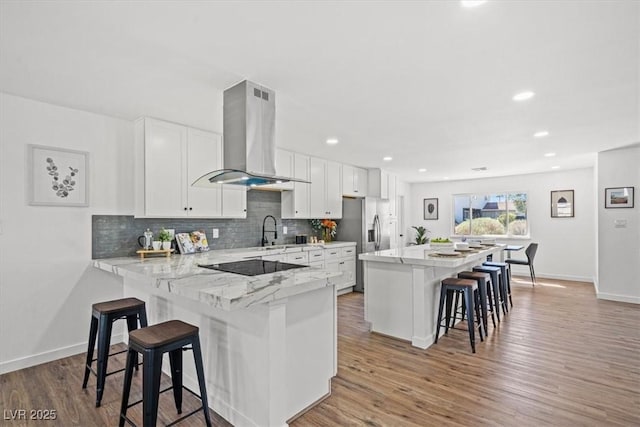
x: 180, y: 275
x: 419, y: 255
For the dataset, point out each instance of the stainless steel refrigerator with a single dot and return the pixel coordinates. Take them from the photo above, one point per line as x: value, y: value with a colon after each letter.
x: 366, y: 222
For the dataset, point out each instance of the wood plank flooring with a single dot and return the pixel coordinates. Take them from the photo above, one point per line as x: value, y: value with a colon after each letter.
x: 559, y: 358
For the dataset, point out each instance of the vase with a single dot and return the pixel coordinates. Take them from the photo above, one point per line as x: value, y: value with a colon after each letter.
x: 326, y: 235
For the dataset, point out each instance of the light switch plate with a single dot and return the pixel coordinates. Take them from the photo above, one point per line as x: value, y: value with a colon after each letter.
x: 215, y: 233
x: 284, y: 229
x: 620, y: 223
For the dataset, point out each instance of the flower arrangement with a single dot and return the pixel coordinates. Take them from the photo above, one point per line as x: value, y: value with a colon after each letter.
x: 329, y: 229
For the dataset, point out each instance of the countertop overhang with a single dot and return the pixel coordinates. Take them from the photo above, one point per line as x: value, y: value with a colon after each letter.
x: 420, y: 255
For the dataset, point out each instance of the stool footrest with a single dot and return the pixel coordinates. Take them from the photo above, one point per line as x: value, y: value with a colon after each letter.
x: 160, y: 392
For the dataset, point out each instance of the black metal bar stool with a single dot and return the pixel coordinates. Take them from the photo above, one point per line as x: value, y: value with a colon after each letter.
x: 506, y: 275
x: 168, y: 337
x: 499, y: 294
x: 484, y: 282
x: 102, y: 317
x: 471, y: 303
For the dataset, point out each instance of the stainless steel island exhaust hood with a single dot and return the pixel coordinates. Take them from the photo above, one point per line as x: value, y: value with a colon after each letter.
x: 249, y: 116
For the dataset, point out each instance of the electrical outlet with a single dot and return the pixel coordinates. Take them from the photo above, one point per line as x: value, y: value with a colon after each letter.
x: 215, y: 233
x: 284, y: 229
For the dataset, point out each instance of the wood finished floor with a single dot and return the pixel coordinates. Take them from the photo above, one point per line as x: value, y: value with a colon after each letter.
x: 560, y: 358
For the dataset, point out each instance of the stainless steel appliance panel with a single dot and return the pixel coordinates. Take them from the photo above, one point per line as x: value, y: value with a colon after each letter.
x: 362, y: 223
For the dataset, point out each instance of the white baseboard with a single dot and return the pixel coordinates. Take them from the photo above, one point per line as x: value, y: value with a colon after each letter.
x: 557, y: 277
x: 48, y: 356
x: 619, y: 298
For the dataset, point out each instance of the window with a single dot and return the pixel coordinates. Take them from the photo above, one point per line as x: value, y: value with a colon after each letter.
x: 499, y: 214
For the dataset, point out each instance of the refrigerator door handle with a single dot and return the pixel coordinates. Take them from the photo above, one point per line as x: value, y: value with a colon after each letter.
x: 376, y: 228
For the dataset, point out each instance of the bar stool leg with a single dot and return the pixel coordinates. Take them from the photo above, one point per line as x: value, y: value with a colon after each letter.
x: 175, y: 360
x: 455, y: 309
x: 132, y: 358
x: 197, y: 356
x: 468, y: 296
x: 490, y: 303
x: 482, y: 331
x: 448, y: 311
x: 93, y: 331
x: 104, y: 339
x: 151, y: 373
x: 132, y: 325
x: 443, y: 297
x: 503, y: 293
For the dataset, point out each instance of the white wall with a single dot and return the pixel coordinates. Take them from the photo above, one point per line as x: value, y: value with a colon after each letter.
x: 619, y: 248
x: 46, y: 283
x: 566, y: 245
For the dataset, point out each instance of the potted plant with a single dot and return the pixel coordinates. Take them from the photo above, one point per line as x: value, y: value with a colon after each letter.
x: 421, y: 235
x: 165, y: 237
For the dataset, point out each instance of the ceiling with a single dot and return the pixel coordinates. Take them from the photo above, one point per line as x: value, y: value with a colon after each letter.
x: 427, y: 83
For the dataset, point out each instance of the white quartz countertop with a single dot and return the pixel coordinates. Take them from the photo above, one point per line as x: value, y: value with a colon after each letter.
x: 181, y: 275
x: 421, y: 255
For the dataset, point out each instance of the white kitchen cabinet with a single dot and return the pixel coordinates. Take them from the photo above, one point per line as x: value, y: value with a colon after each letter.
x: 354, y: 181
x: 295, y: 203
x: 383, y: 184
x: 325, y: 189
x: 344, y: 260
x: 169, y: 157
x: 301, y: 258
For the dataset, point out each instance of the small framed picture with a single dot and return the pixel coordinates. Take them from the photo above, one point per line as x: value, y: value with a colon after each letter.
x: 57, y: 176
x: 618, y: 197
x: 430, y: 208
x: 562, y: 205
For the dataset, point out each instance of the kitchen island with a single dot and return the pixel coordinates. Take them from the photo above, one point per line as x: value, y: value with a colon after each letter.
x: 402, y: 289
x: 269, y: 341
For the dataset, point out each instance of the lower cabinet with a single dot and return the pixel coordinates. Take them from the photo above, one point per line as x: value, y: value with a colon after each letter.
x: 333, y: 259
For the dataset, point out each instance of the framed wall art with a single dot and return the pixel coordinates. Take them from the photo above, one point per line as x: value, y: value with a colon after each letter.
x: 57, y: 176
x: 562, y: 205
x: 430, y: 208
x: 618, y: 197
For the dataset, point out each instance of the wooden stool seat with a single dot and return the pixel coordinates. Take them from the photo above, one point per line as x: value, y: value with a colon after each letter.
x: 171, y: 337
x: 454, y: 281
x: 161, y: 334
x: 103, y: 314
x: 108, y: 307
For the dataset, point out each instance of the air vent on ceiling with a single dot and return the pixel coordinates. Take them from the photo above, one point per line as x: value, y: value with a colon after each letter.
x: 483, y: 168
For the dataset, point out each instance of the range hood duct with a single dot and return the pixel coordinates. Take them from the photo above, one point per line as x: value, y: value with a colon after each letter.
x: 249, y: 146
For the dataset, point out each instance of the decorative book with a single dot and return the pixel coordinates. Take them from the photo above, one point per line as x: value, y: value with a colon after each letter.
x: 193, y: 242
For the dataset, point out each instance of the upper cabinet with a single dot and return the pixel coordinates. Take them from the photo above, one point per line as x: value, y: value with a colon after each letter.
x: 354, y: 181
x: 295, y: 203
x: 383, y: 184
x: 168, y: 158
x: 325, y: 189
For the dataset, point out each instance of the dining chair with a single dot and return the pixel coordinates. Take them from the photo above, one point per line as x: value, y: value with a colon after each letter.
x: 531, y: 254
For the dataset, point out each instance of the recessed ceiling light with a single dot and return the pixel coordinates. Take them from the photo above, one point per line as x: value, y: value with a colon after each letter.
x: 332, y: 141
x: 446, y: 177
x: 523, y: 96
x: 555, y: 167
x: 387, y: 158
x: 480, y: 169
x: 472, y: 3
x: 422, y: 170
x: 541, y: 134
x: 549, y: 154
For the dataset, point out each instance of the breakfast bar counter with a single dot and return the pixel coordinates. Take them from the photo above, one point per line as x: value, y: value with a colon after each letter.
x: 269, y: 341
x: 402, y: 288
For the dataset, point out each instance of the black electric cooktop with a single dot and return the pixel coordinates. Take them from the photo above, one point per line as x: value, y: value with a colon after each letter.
x: 252, y: 267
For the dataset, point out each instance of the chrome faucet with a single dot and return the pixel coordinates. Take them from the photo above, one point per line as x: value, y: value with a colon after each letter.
x: 274, y: 231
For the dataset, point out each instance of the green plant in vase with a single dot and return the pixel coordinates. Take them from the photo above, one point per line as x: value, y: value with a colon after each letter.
x: 165, y: 237
x: 421, y: 235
